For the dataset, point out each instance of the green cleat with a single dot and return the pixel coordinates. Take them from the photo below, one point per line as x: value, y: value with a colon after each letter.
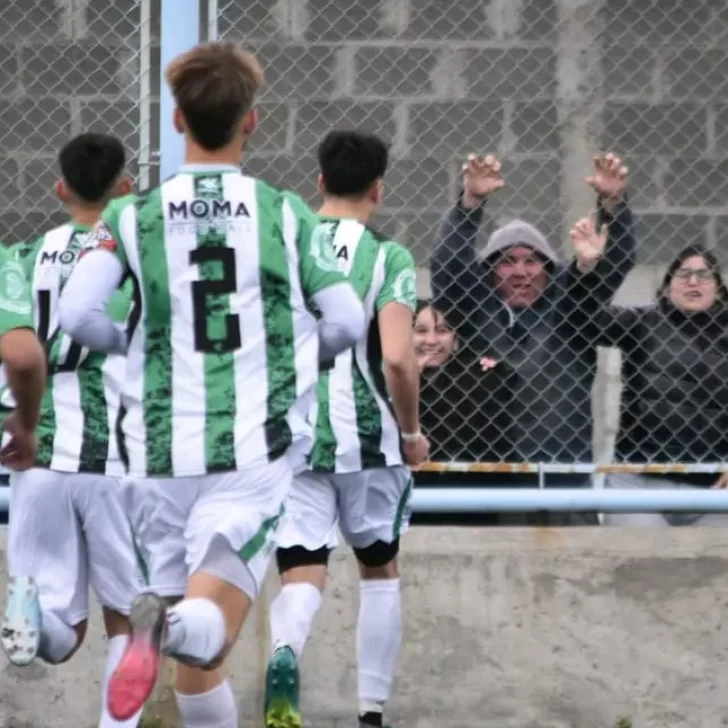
x: 282, y: 688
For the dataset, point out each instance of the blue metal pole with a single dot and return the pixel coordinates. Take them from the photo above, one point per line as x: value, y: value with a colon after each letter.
x: 180, y: 31
x: 516, y: 500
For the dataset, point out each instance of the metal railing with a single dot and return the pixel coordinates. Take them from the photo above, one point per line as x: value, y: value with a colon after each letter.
x: 523, y: 500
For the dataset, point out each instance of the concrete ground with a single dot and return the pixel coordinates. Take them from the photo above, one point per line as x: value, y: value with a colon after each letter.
x: 506, y: 628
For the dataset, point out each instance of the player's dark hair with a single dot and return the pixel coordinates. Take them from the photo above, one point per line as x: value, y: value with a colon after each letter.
x: 214, y: 86
x: 90, y: 164
x: 351, y: 162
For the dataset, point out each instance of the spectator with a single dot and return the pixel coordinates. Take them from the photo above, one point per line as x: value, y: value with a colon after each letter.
x: 518, y: 305
x: 457, y: 398
x: 674, y: 405
x: 435, y: 341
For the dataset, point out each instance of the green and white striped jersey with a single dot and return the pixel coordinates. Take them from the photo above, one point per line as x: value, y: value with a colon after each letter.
x: 77, y: 429
x: 224, y: 267
x: 354, y: 425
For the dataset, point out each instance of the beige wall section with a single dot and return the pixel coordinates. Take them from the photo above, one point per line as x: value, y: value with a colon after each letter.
x: 508, y: 628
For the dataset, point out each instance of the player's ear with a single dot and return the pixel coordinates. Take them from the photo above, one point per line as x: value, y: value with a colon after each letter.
x: 62, y: 191
x: 377, y: 192
x: 179, y: 121
x: 124, y: 186
x: 320, y: 184
x: 250, y: 122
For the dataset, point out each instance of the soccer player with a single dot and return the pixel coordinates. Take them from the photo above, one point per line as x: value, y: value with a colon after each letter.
x: 227, y: 271
x: 68, y: 522
x: 366, y: 426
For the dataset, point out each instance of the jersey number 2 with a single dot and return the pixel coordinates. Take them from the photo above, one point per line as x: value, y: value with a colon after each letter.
x: 202, y: 290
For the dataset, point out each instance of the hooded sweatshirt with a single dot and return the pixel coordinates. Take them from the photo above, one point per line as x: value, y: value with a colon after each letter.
x: 547, y: 351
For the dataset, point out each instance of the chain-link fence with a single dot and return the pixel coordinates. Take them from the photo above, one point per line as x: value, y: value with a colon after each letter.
x: 544, y: 85
x: 68, y: 66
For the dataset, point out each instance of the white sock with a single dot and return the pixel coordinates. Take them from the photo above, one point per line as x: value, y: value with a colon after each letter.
x: 116, y: 650
x: 195, y: 628
x: 291, y: 616
x: 214, y: 709
x: 378, y: 638
x: 57, y: 639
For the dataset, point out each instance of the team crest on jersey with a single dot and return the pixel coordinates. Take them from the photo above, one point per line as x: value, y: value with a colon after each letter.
x: 101, y: 239
x: 14, y: 289
x: 322, y: 248
x: 405, y: 288
x: 211, y: 185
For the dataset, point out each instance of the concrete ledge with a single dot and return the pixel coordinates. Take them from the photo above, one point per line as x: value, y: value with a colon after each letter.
x: 509, y: 628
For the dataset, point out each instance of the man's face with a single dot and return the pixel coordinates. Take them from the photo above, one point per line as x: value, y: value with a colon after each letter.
x: 522, y: 276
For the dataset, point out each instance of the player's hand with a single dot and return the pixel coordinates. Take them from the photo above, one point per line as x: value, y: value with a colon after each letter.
x: 722, y: 482
x: 588, y: 242
x: 609, y: 180
x: 416, y: 451
x: 481, y: 177
x: 19, y: 453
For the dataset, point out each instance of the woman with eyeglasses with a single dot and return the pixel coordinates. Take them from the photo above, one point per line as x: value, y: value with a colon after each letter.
x: 674, y: 406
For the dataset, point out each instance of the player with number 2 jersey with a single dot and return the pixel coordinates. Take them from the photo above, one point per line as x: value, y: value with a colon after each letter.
x: 238, y: 296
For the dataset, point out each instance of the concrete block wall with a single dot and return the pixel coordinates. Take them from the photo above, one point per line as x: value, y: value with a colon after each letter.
x: 543, y: 83
x: 66, y: 66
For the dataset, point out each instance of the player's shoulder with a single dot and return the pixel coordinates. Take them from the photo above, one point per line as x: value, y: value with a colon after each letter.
x: 119, y: 204
x: 26, y: 252
x: 12, y: 274
x: 394, y: 251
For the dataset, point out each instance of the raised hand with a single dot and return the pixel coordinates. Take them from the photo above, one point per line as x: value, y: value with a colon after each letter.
x: 481, y: 177
x: 609, y: 180
x: 588, y: 242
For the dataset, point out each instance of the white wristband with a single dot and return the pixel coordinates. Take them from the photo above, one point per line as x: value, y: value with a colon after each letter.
x: 411, y: 436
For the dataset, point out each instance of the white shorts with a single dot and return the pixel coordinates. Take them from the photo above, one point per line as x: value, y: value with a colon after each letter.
x: 222, y: 524
x: 368, y: 506
x: 69, y: 531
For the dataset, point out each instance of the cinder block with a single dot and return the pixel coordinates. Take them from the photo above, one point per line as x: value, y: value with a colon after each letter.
x: 450, y: 131
x: 652, y: 129
x: 72, y: 69
x: 394, y: 71
x: 34, y: 125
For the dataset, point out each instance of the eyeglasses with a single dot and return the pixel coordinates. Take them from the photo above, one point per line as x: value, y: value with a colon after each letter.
x: 702, y: 275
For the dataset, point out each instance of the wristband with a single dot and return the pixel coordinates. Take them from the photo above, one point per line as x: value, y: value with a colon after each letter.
x: 411, y: 436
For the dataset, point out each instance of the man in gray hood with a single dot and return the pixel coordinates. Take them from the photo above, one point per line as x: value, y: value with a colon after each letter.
x: 527, y: 313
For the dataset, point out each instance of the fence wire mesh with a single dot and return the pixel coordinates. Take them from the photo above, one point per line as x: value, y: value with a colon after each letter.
x: 543, y: 85
x: 68, y: 66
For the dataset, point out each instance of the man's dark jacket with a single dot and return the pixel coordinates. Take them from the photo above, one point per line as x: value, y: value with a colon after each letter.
x: 546, y: 352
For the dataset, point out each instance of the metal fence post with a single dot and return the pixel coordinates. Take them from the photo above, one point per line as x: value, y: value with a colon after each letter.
x: 180, y: 31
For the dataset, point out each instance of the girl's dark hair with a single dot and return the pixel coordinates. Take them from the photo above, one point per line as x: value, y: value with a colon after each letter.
x: 711, y: 262
x: 422, y: 304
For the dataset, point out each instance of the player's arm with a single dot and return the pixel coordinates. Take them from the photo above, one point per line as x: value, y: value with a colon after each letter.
x: 342, y: 313
x: 20, y: 350
x: 396, y: 306
x: 84, y: 303
x: 342, y: 320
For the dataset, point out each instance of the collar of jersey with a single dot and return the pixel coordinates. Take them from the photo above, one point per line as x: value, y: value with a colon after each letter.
x: 209, y: 168
x: 80, y: 228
